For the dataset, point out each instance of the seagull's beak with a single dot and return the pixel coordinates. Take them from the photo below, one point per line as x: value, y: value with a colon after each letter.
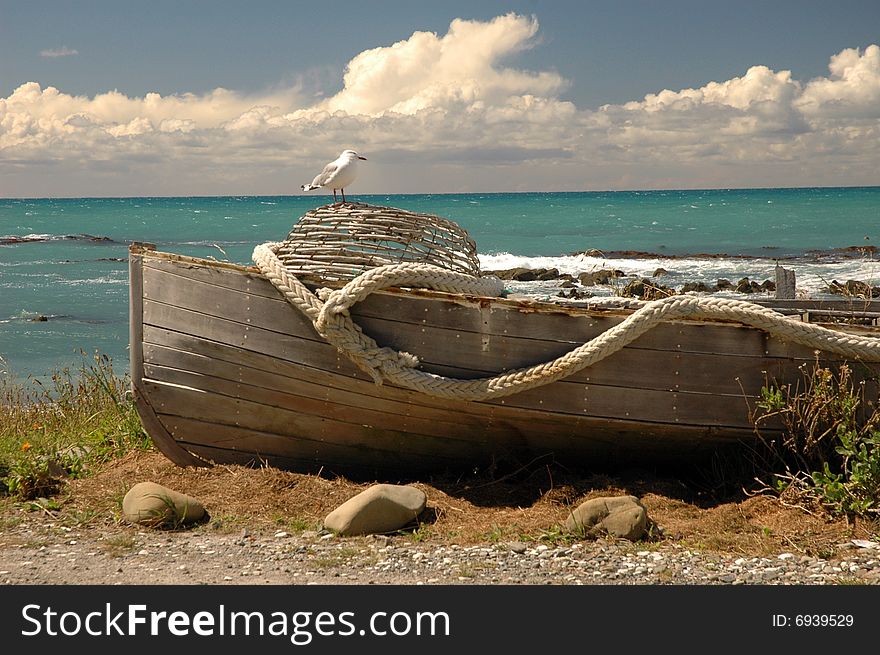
x: 364, y: 158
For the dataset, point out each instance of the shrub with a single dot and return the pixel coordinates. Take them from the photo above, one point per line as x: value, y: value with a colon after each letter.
x: 830, y: 446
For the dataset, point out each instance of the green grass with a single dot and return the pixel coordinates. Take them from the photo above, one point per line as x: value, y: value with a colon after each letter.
x: 295, y: 524
x: 50, y: 431
x: 120, y: 545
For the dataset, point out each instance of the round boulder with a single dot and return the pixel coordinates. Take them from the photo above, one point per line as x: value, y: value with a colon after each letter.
x: 148, y: 503
x: 618, y: 516
x: 379, y: 509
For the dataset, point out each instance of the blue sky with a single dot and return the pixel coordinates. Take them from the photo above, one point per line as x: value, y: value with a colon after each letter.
x: 525, y: 96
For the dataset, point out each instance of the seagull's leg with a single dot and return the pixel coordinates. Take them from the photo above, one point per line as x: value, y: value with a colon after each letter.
x: 334, y: 196
x: 343, y: 195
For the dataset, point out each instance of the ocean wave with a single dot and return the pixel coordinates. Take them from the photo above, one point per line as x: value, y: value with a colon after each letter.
x: 30, y: 262
x: 38, y: 317
x: 26, y: 238
x: 95, y: 280
x: 211, y: 244
x: 14, y: 239
x: 28, y: 315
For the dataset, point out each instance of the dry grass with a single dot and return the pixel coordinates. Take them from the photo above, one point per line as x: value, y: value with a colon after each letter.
x: 470, y: 511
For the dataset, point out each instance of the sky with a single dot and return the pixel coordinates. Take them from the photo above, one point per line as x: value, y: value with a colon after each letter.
x: 253, y: 98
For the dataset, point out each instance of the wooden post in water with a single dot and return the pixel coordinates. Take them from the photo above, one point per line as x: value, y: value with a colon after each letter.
x: 784, y: 283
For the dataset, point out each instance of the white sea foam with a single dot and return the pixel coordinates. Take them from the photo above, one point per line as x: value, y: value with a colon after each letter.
x: 213, y: 243
x: 95, y: 280
x: 27, y: 237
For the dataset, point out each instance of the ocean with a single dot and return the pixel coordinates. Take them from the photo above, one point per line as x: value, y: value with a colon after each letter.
x: 65, y: 259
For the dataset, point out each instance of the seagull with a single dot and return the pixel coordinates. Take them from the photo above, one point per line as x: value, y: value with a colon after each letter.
x: 337, y: 174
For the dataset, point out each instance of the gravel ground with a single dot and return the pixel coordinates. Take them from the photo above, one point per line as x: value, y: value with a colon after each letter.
x: 35, y: 552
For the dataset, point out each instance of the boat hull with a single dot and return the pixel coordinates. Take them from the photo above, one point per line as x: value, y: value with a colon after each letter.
x: 224, y: 370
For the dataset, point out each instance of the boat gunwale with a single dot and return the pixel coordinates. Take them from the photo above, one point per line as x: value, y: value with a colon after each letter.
x: 539, y: 306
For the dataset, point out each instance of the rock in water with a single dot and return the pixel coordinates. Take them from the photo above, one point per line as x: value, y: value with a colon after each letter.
x: 148, y: 503
x: 381, y: 508
x: 619, y: 516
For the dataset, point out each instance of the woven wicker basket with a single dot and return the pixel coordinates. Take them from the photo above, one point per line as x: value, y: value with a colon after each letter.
x: 339, y: 242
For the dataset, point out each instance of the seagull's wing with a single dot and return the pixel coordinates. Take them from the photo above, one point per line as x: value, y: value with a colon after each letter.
x: 326, y: 175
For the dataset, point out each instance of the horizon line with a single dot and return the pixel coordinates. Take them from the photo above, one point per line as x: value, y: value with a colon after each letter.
x: 454, y: 193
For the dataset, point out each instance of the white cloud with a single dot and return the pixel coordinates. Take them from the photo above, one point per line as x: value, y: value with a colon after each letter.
x: 446, y: 108
x: 852, y: 90
x: 459, y: 69
x: 63, y: 51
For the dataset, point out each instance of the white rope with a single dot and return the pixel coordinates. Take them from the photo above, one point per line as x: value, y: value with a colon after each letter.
x: 333, y: 322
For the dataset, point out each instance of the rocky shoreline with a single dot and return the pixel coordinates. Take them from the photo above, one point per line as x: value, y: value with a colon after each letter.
x: 579, y: 287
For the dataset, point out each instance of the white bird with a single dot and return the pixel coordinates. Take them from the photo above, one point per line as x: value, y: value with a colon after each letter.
x: 337, y: 174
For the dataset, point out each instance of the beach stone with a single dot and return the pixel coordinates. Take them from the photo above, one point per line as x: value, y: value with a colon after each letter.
x: 855, y: 288
x: 524, y: 275
x: 603, y: 276
x: 660, y: 272
x: 645, y: 289
x: 619, y: 516
x: 701, y: 287
x: 574, y: 294
x: 381, y: 508
x: 148, y: 503
x: 547, y: 274
x: 507, y: 273
x: 744, y: 286
x: 528, y: 274
x: 723, y: 284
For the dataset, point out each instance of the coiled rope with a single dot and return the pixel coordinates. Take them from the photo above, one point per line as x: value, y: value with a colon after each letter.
x: 332, y: 320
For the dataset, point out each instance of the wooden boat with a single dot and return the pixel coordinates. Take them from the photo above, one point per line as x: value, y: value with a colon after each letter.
x: 225, y: 370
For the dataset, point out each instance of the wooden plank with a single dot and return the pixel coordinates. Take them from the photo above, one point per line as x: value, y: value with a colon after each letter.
x: 136, y: 313
x: 672, y: 370
x: 167, y: 347
x: 785, y: 283
x: 246, y: 445
x: 328, y: 402
x: 260, y: 445
x: 377, y: 411
x: 665, y: 369
x: 212, y: 407
x: 311, y: 384
x: 319, y: 355
x: 160, y: 437
x: 204, y: 269
x: 378, y: 469
x: 565, y: 397
x: 316, y: 400
x: 710, y: 337
x: 834, y: 304
x: 580, y: 401
x: 487, y: 324
x: 531, y: 434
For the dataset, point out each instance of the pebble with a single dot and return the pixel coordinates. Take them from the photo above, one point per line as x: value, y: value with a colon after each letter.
x: 205, y: 557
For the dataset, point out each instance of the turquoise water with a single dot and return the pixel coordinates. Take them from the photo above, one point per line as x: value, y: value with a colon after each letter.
x: 73, y: 269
